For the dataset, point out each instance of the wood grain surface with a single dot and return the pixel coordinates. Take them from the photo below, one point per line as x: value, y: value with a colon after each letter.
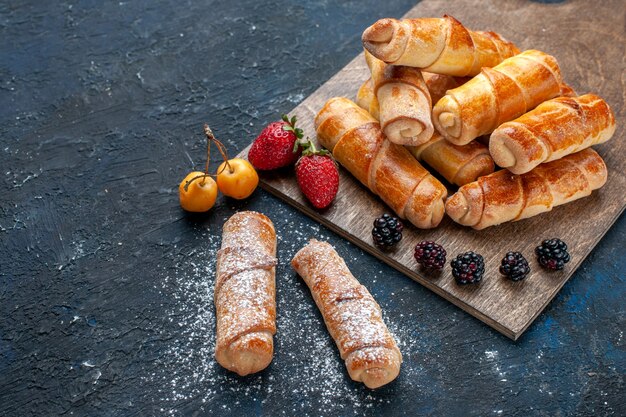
x: 591, y: 53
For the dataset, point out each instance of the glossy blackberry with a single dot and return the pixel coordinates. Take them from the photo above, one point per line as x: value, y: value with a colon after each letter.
x: 468, y: 268
x: 430, y: 255
x: 514, y: 266
x: 552, y: 254
x: 387, y: 231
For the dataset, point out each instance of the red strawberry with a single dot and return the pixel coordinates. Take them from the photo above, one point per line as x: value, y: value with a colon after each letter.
x: 317, y: 175
x: 276, y: 146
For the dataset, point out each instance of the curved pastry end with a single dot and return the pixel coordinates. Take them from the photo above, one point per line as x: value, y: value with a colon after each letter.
x: 465, y: 206
x: 447, y: 119
x: 250, y: 353
x: 381, y: 41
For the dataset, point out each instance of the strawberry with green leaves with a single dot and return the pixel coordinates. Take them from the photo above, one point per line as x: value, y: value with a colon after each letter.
x: 273, y: 148
x: 317, y: 174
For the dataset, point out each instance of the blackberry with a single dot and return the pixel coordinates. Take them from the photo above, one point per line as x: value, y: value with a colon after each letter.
x: 387, y: 231
x: 514, y: 266
x: 430, y: 255
x: 552, y: 254
x: 468, y: 268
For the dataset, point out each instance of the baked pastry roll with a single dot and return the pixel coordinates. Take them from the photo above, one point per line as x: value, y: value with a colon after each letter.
x: 497, y: 95
x: 404, y: 103
x: 457, y: 164
x: 439, y: 45
x: 366, y: 99
x: 245, y: 293
x: 356, y: 141
x: 555, y: 128
x: 437, y: 85
x: 503, y: 196
x: 352, y: 316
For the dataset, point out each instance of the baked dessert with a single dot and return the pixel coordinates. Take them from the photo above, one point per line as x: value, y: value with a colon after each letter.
x: 459, y: 165
x: 556, y: 128
x: 497, y: 95
x: 245, y: 293
x: 404, y: 103
x: 366, y: 99
x: 437, y: 85
x: 503, y: 196
x: 352, y: 316
x: 389, y: 170
x: 439, y: 45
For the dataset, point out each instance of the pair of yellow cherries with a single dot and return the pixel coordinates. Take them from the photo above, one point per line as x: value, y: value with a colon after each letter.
x: 235, y: 178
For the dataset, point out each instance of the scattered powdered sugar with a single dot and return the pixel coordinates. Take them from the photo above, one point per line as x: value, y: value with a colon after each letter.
x: 307, y: 375
x: 187, y: 367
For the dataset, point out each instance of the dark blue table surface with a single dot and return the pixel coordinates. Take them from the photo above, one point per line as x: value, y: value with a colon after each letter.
x: 106, y: 285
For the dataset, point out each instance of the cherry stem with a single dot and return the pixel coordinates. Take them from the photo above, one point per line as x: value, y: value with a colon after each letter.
x: 188, y: 183
x: 220, y: 147
x: 208, y: 155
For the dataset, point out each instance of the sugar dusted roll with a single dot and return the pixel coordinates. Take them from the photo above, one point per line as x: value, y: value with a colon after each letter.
x: 556, y: 128
x: 438, y: 45
x: 245, y: 293
x: 503, y: 196
x: 352, y: 316
x: 389, y: 170
x: 404, y: 103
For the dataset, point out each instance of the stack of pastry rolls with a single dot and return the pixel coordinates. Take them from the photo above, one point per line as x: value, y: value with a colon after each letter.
x: 459, y: 165
x: 499, y: 123
x: 540, y: 132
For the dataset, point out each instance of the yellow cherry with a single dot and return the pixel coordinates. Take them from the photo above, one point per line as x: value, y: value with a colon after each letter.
x: 237, y: 178
x: 197, y: 192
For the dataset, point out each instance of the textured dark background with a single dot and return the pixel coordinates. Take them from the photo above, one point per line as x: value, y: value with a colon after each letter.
x: 106, y: 285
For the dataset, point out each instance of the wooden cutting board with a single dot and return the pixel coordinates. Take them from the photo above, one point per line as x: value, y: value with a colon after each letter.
x: 588, y: 40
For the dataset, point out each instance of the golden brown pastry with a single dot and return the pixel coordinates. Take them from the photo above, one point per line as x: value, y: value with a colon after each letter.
x: 567, y: 91
x: 366, y: 99
x: 404, y: 103
x: 387, y: 169
x: 245, y: 293
x: 457, y: 164
x: 497, y: 95
x: 437, y: 85
x: 555, y: 128
x: 352, y: 316
x: 439, y: 45
x: 503, y: 196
